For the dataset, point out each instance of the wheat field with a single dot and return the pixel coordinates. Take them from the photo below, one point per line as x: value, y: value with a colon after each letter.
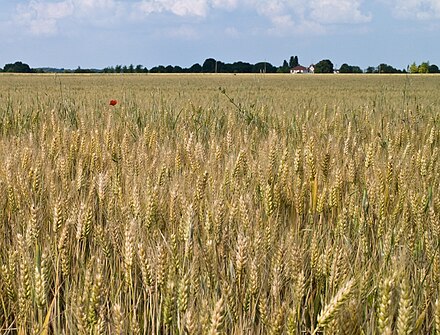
x: 219, y: 204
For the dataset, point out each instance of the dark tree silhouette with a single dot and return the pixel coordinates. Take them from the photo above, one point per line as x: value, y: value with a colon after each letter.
x: 17, y: 67
x: 324, y: 66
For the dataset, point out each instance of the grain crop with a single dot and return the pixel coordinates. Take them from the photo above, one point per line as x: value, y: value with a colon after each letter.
x: 219, y: 204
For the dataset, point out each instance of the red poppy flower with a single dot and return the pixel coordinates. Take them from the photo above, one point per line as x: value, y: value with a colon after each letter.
x: 113, y: 102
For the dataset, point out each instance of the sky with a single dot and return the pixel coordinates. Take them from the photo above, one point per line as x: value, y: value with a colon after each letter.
x: 100, y: 33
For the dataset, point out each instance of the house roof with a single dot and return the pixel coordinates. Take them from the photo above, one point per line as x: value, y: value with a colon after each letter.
x: 299, y: 68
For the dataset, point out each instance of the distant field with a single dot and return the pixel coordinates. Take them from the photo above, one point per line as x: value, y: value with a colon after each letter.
x: 219, y: 204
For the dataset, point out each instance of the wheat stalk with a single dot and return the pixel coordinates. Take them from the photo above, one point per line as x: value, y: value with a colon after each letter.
x: 331, y: 310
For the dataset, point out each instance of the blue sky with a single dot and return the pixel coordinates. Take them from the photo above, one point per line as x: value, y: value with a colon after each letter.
x: 99, y: 33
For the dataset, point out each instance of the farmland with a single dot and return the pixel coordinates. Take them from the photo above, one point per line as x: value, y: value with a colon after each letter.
x: 219, y: 204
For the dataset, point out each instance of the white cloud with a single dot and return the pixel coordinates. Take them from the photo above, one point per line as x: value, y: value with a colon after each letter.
x: 39, y: 10
x: 284, y: 21
x: 337, y: 11
x: 43, y: 27
x: 184, y: 7
x: 189, y: 7
x: 415, y: 9
x: 311, y: 17
x: 227, y: 4
x: 42, y: 17
x: 93, y: 4
x: 177, y: 7
x: 282, y: 14
x: 321, y: 12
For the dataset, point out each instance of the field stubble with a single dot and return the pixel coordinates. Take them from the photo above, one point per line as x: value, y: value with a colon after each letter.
x: 219, y: 204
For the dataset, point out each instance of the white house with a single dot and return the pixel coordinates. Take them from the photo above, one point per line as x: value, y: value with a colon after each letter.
x: 302, y: 69
x: 299, y: 69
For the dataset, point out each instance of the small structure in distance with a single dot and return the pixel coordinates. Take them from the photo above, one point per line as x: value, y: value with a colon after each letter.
x: 302, y: 69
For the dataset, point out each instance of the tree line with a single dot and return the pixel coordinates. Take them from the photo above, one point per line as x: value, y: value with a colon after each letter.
x: 211, y: 65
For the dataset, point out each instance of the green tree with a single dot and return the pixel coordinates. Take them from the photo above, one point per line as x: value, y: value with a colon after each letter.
x: 221, y: 67
x: 284, y: 68
x: 178, y: 69
x: 240, y: 67
x: 158, y: 69
x: 345, y: 68
x: 139, y: 69
x: 433, y: 69
x: 109, y: 69
x: 195, y: 68
x: 293, y: 61
x: 424, y: 67
x: 324, y: 66
x: 209, y: 65
x: 385, y: 68
x: 17, y: 67
x: 264, y: 67
x: 413, y: 68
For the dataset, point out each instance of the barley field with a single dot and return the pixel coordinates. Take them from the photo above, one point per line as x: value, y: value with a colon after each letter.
x: 219, y: 204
